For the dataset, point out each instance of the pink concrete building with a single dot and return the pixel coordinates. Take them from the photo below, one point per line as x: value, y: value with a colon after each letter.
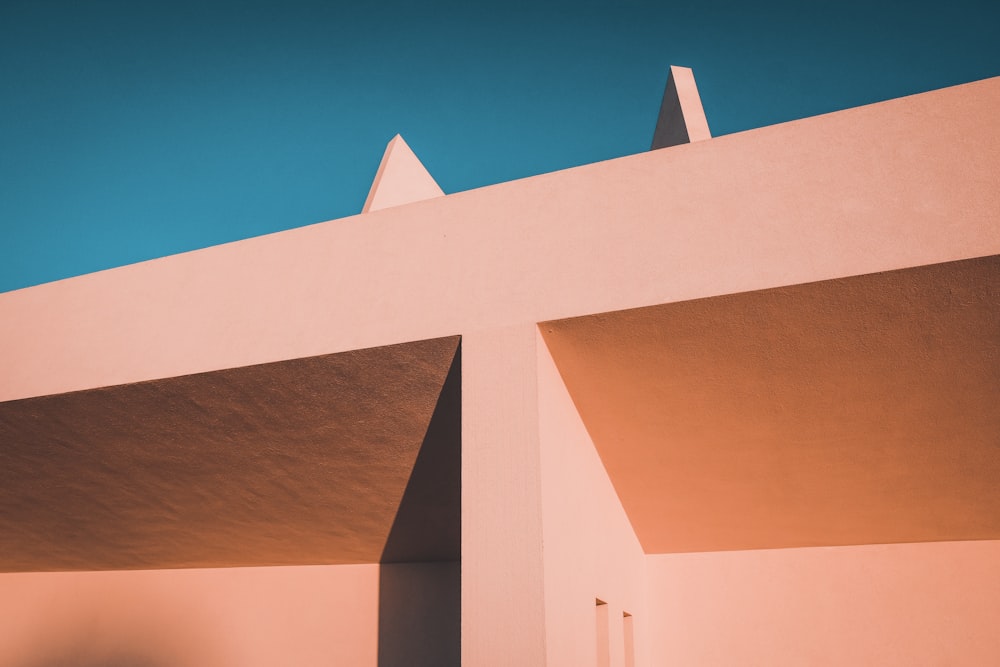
x: 733, y: 401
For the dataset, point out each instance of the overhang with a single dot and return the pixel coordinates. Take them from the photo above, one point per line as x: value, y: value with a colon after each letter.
x: 850, y: 411
x: 302, y: 461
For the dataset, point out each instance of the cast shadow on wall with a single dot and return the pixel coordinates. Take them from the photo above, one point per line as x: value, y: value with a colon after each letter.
x: 420, y: 573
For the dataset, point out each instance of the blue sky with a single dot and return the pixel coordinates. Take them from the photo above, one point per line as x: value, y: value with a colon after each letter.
x: 133, y: 130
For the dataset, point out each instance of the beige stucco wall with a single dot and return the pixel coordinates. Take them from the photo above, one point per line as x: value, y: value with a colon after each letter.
x: 932, y: 603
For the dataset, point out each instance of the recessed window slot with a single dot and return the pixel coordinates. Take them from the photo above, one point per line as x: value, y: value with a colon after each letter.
x: 603, y: 634
x: 628, y: 625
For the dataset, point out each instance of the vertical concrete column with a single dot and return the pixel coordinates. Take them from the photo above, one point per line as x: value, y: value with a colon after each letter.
x: 591, y: 551
x: 503, y: 614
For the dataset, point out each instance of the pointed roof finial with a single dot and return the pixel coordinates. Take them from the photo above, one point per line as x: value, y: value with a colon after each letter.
x: 400, y: 179
x: 682, y: 119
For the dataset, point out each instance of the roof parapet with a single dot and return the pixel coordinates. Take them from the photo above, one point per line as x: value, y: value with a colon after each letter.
x: 401, y: 179
x: 682, y: 118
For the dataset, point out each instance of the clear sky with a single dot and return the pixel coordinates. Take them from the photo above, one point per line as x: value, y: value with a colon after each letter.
x: 132, y: 130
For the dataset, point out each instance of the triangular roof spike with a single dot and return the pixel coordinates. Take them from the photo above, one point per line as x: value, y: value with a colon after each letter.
x: 682, y: 118
x: 401, y: 179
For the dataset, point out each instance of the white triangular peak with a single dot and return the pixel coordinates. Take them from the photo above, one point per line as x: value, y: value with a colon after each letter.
x: 682, y: 118
x: 401, y: 179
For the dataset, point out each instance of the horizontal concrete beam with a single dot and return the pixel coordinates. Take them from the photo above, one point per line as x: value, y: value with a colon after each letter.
x: 901, y: 183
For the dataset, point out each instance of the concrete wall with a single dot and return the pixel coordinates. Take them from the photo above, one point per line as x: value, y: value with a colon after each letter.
x: 590, y: 550
x: 503, y: 617
x: 935, y: 603
x: 308, y: 616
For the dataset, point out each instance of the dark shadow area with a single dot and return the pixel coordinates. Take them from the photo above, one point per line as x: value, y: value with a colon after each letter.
x: 420, y: 615
x: 671, y: 130
x: 428, y: 523
x: 420, y: 572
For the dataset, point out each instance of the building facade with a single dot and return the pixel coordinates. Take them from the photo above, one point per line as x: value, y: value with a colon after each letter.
x: 733, y: 401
